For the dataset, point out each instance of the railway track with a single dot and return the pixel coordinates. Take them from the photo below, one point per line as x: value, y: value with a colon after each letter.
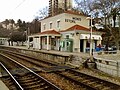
x: 25, y: 78
x: 76, y: 77
x: 92, y: 83
x: 28, y: 58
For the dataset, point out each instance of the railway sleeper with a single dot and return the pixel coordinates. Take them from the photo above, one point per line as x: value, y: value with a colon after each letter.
x: 28, y: 80
x: 31, y: 83
x: 87, y: 82
x: 107, y: 88
x: 40, y: 86
x: 12, y: 88
x: 91, y: 83
x: 99, y: 86
x: 88, y: 87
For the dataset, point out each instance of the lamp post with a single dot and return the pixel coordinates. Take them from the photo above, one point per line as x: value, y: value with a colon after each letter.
x: 91, y: 39
x: 90, y: 18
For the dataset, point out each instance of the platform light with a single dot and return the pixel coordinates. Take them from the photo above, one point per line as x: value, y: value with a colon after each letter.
x: 90, y: 18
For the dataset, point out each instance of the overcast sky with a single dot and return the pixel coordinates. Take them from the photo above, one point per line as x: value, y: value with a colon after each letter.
x: 21, y: 9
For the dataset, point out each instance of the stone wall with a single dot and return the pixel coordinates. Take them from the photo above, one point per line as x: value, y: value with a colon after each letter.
x: 76, y: 61
x: 47, y: 56
x: 111, y: 67
x: 59, y: 58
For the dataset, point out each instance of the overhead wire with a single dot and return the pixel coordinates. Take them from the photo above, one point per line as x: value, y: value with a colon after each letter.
x: 17, y: 6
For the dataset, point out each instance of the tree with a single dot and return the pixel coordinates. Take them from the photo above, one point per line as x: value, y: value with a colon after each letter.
x: 19, y: 22
x: 85, y: 7
x: 106, y: 9
x: 42, y: 13
x: 109, y: 9
x: 115, y: 12
x: 34, y: 27
x: 22, y: 25
x: 6, y: 22
x: 12, y: 22
x: 17, y: 36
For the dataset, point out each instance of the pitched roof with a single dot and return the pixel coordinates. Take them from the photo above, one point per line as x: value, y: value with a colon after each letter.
x: 68, y: 12
x: 73, y: 12
x: 50, y: 32
x: 76, y: 27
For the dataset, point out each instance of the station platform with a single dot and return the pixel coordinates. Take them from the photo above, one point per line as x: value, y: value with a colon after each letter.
x: 2, y: 85
x: 53, y: 51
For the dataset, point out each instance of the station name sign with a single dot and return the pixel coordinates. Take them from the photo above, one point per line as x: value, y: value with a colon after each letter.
x: 73, y: 19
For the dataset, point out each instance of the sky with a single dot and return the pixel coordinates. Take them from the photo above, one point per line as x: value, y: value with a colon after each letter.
x: 26, y: 10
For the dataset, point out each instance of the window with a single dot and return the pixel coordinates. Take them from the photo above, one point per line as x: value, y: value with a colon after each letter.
x: 58, y: 24
x: 107, y: 63
x: 44, y: 26
x: 50, y: 25
x: 67, y: 36
x: 68, y: 43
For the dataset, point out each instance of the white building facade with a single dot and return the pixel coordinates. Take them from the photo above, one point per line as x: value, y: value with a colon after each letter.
x: 65, y: 32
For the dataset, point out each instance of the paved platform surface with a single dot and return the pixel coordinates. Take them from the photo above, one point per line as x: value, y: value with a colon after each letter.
x: 2, y: 85
x: 81, y: 54
x: 53, y: 51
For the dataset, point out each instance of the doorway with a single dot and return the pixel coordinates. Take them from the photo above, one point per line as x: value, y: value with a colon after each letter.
x: 81, y: 45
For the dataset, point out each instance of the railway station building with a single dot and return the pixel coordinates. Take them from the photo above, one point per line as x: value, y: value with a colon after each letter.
x: 68, y: 31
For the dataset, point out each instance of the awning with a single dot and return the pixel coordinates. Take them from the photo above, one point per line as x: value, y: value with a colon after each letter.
x: 87, y: 36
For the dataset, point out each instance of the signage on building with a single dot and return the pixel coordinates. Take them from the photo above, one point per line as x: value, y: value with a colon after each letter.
x: 73, y: 20
x: 76, y: 18
x: 69, y: 20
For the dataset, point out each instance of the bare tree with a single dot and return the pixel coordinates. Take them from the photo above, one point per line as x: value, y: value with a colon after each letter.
x: 84, y: 6
x: 107, y: 9
x: 42, y: 13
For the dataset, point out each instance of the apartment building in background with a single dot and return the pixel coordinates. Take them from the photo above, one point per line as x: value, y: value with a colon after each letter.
x: 59, y: 6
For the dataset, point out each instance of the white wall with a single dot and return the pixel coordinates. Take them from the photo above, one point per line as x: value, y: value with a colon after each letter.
x: 64, y: 25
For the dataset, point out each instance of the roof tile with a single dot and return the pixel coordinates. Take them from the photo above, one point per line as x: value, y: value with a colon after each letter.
x: 76, y: 27
x: 50, y: 32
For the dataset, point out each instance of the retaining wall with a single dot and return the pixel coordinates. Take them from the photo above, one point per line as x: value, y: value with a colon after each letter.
x: 111, y: 67
x: 62, y: 58
x: 59, y: 58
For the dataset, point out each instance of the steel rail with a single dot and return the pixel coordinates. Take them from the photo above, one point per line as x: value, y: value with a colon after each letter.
x: 20, y: 54
x: 101, y: 80
x: 57, y: 88
x: 95, y: 78
x: 18, y: 85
